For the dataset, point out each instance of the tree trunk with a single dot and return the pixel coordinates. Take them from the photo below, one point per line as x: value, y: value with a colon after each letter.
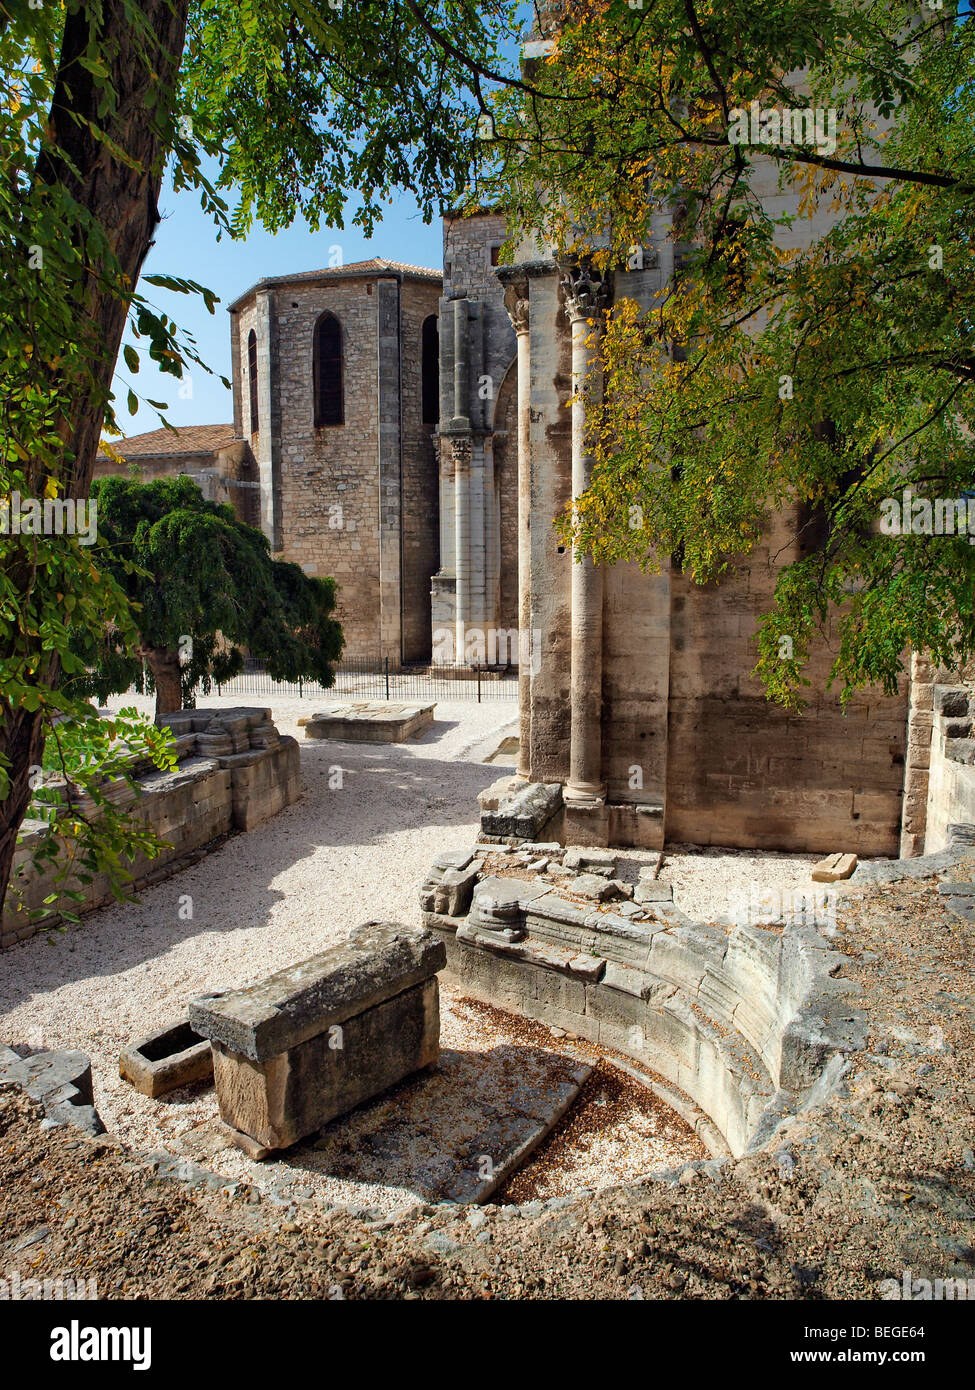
x: 123, y: 198
x: 168, y: 678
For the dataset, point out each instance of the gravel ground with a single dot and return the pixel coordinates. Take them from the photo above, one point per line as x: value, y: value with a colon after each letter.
x: 877, y: 1182
x: 342, y: 855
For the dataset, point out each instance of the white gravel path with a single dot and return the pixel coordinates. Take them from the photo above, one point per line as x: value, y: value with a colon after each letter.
x: 340, y: 856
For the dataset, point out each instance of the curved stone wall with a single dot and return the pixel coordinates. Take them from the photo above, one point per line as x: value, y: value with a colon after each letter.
x: 742, y: 1020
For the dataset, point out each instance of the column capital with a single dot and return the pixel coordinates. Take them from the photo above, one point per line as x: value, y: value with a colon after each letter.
x: 586, y: 291
x: 517, y: 305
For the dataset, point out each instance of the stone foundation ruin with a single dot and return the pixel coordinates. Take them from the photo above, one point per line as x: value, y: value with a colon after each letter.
x: 744, y: 1021
x: 234, y: 772
x: 369, y: 721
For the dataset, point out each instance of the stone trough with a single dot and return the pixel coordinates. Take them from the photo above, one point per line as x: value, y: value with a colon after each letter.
x: 168, y: 1058
x: 313, y: 1041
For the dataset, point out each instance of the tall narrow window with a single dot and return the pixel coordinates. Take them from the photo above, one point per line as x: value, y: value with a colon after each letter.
x: 252, y: 377
x: 328, y: 371
x: 430, y: 371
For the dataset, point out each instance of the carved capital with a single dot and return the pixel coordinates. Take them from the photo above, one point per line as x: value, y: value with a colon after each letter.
x: 455, y: 455
x: 516, y: 303
x: 587, y: 291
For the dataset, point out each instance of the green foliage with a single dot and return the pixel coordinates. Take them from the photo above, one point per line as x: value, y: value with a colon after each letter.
x: 819, y: 381
x: 304, y: 103
x: 300, y: 107
x: 202, y: 586
x: 86, y: 763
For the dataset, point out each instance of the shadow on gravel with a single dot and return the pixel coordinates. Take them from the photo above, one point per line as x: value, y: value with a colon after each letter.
x: 354, y: 796
x: 448, y: 1133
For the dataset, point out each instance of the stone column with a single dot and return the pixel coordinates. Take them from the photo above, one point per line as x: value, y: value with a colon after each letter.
x: 461, y: 451
x: 586, y: 296
x: 461, y: 418
x: 516, y: 303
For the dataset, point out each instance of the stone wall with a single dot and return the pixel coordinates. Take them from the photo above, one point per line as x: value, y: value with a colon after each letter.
x: 951, y: 774
x: 688, y: 747
x: 742, y: 771
x: 228, y: 474
x: 421, y: 481
x: 202, y: 800
x: 327, y: 509
x: 743, y: 1020
x: 355, y: 501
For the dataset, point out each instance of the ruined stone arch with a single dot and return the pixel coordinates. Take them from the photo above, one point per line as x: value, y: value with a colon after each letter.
x: 499, y: 404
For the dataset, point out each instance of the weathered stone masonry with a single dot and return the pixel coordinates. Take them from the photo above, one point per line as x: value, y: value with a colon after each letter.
x: 234, y: 771
x: 746, y: 1023
x: 354, y: 500
x: 475, y: 591
x: 641, y: 704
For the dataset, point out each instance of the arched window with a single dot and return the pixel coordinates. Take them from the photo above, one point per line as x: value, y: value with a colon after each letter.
x: 430, y: 371
x: 252, y: 377
x: 328, y: 371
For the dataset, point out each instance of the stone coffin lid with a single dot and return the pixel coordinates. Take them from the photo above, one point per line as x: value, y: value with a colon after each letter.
x: 379, y: 960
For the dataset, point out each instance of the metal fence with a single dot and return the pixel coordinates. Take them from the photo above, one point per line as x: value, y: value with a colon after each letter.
x: 365, y: 678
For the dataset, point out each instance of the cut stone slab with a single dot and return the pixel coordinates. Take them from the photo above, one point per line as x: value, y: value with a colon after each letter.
x: 491, y: 796
x: 454, y: 892
x: 651, y: 890
x: 379, y: 959
x: 294, y: 1051
x: 834, y: 868
x: 957, y: 890
x: 522, y: 812
x: 501, y: 902
x: 453, y: 859
x: 458, y: 1132
x: 592, y: 886
x: 370, y: 721
x: 168, y: 1058
x: 629, y: 979
x: 599, y: 861
x: 60, y: 1081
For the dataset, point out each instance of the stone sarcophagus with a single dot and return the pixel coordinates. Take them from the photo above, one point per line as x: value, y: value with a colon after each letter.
x: 295, y: 1050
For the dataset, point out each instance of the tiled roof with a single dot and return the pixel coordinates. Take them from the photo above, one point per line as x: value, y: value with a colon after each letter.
x: 377, y: 265
x: 191, y: 439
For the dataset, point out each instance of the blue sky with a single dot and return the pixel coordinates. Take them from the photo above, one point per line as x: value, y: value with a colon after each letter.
x: 186, y: 246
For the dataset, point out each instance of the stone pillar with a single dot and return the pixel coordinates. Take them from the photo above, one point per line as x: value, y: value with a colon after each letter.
x: 461, y: 451
x: 461, y: 418
x: 459, y: 443
x: 269, y: 413
x: 516, y: 303
x: 390, y: 470
x: 586, y: 296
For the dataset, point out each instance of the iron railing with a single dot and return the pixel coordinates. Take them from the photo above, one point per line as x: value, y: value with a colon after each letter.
x: 376, y: 678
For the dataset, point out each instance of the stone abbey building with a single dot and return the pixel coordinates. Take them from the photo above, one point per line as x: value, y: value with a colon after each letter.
x: 335, y: 377
x: 412, y: 434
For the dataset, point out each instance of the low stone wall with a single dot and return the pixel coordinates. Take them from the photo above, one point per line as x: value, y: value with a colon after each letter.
x: 743, y: 1020
x: 254, y: 775
x: 951, y: 768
